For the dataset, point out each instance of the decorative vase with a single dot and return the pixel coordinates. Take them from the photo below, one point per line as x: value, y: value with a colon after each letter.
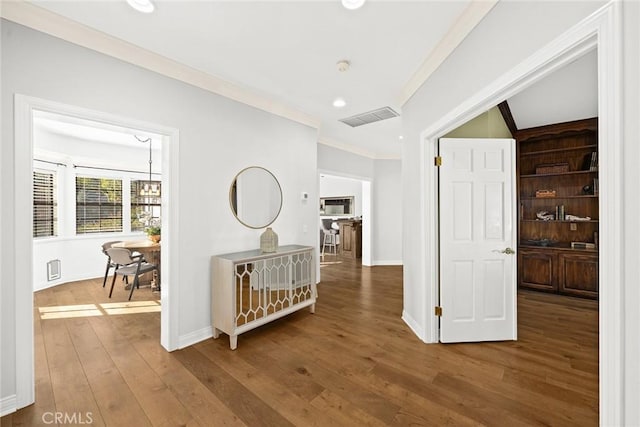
x: 268, y: 241
x: 155, y: 238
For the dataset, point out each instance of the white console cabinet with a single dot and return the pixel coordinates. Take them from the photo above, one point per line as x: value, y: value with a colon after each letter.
x: 252, y: 288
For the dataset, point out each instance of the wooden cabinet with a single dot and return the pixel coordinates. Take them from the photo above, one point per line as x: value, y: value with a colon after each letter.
x: 252, y: 288
x: 537, y: 270
x: 558, y: 201
x: 351, y: 238
x: 578, y: 274
x: 565, y: 271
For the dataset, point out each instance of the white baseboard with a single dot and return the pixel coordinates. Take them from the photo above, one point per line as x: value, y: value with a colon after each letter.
x: 45, y: 285
x: 387, y: 262
x: 414, y: 326
x: 195, y: 337
x: 8, y: 405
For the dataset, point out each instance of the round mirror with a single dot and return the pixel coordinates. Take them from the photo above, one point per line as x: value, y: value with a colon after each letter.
x: 255, y: 197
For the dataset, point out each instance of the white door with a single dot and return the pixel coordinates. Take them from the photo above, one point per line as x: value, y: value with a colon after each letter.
x: 477, y: 240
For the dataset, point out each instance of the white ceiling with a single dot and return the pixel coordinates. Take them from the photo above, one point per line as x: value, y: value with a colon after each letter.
x: 570, y: 93
x: 94, y: 131
x: 287, y: 51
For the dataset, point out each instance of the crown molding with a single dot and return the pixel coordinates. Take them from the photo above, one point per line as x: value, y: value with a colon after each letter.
x: 466, y: 22
x: 356, y: 150
x: 47, y: 22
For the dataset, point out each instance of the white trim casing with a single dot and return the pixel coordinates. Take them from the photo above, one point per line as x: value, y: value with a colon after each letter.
x: 412, y: 323
x: 611, y: 207
x: 600, y: 30
x: 23, y: 264
x: 195, y: 337
x: 23, y: 148
x: 8, y: 405
x: 367, y: 215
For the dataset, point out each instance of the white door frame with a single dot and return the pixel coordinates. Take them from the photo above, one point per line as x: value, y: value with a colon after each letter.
x: 23, y: 213
x: 601, y: 31
x: 367, y: 213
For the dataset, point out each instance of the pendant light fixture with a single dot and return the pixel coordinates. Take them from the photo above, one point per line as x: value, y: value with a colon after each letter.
x: 149, y: 188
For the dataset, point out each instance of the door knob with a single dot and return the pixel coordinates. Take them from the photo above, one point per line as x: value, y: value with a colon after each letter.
x: 507, y: 251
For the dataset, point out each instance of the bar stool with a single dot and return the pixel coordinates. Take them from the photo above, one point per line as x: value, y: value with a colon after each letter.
x: 330, y: 240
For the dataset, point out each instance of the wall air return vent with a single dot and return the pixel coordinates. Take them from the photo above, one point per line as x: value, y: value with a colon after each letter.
x: 370, y: 117
x: 53, y: 270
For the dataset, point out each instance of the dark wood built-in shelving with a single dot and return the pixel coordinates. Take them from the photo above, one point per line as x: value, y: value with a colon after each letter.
x: 546, y: 199
x: 557, y: 221
x: 556, y: 267
x: 542, y: 175
x: 559, y: 150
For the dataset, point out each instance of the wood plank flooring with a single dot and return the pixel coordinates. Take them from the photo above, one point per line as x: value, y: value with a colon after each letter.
x: 352, y: 363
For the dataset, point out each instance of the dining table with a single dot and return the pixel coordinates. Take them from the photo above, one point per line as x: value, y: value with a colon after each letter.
x: 151, y: 253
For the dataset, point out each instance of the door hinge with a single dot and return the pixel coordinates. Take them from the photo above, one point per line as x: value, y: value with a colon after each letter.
x: 438, y: 161
x: 438, y: 311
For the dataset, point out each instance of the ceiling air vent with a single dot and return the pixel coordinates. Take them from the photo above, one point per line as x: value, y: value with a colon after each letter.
x: 370, y: 117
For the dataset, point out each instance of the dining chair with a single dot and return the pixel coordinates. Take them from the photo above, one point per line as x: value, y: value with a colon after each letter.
x: 128, y: 265
x: 110, y: 263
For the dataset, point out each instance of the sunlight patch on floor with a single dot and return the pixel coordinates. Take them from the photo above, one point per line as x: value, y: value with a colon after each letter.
x: 92, y: 310
x: 67, y: 314
x: 131, y: 307
x: 326, y: 263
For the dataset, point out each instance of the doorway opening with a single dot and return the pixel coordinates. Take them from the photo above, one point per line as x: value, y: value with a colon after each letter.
x: 345, y: 217
x: 28, y: 110
x: 600, y: 30
x: 555, y: 169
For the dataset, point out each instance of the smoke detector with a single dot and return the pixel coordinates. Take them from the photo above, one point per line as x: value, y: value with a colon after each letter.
x: 343, y: 65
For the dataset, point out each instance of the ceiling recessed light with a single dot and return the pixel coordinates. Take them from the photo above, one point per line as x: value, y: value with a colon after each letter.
x: 144, y: 6
x: 352, y: 4
x: 401, y: 137
x: 339, y: 102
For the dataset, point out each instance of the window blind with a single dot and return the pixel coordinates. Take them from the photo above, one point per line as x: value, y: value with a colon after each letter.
x: 45, y: 221
x: 98, y: 205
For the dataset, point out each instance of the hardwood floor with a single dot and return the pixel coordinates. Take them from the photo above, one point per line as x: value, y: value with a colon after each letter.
x: 354, y: 362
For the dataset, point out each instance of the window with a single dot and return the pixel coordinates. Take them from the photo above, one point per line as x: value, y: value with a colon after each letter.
x: 98, y: 205
x: 45, y: 220
x: 141, y: 204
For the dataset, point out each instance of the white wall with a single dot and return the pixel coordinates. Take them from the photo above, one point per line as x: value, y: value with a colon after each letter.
x: 511, y: 32
x: 344, y: 163
x: 385, y: 177
x: 332, y: 186
x: 83, y: 152
x: 387, y: 205
x: 80, y: 257
x: 218, y: 138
